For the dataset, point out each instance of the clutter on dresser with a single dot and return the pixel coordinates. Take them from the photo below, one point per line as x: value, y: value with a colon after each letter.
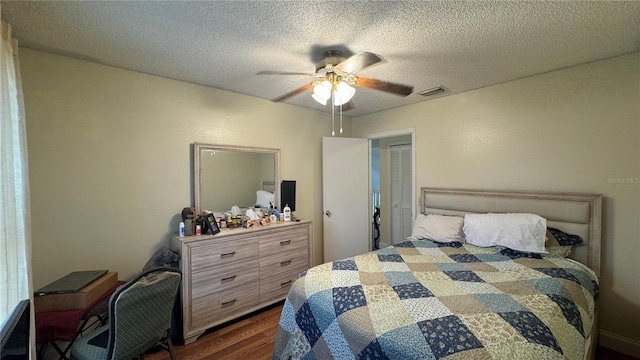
x: 211, y: 223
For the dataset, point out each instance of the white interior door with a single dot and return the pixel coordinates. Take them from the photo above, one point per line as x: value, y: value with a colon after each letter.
x: 345, y: 197
x: 400, y: 183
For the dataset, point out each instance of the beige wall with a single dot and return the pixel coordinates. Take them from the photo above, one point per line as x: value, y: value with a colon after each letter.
x: 110, y: 153
x: 576, y: 130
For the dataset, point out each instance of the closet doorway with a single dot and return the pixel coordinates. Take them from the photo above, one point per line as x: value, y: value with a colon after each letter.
x: 392, y: 186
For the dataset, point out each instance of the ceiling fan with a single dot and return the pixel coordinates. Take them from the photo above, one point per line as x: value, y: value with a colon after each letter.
x: 336, y: 79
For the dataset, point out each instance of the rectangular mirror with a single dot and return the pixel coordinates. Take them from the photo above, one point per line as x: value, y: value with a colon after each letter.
x: 225, y: 176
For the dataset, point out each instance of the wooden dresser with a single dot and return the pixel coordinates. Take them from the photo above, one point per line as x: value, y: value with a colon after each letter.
x: 238, y: 271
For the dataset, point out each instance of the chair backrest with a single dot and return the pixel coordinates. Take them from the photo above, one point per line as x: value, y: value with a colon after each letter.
x: 140, y: 312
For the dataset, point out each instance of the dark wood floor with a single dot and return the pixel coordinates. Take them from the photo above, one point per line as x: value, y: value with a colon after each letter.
x: 252, y: 338
x: 248, y: 338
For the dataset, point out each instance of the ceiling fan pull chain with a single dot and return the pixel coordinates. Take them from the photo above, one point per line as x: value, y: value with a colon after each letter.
x: 340, y: 118
x: 333, y: 116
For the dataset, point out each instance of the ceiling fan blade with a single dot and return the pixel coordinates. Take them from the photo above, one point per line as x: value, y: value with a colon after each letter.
x: 293, y: 93
x: 389, y: 87
x: 358, y: 62
x: 284, y: 73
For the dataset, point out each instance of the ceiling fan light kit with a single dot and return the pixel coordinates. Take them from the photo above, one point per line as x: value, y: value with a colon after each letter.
x: 337, y: 80
x: 341, y: 92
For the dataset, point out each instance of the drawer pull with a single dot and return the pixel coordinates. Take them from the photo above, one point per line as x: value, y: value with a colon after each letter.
x: 228, y: 278
x: 230, y: 302
x: 285, y: 263
x: 286, y: 242
x: 285, y: 283
x: 227, y: 254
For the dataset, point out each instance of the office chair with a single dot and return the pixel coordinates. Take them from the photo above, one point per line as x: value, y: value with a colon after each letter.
x: 139, y: 319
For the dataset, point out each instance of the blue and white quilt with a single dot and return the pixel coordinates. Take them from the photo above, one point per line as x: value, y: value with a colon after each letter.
x: 425, y: 300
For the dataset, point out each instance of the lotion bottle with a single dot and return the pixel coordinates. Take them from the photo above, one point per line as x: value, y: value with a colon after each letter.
x: 287, y: 213
x: 181, y: 228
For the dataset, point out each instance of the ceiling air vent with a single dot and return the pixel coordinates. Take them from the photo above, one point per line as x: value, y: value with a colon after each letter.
x: 433, y: 91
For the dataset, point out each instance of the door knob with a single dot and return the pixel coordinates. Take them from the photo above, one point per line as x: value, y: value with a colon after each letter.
x: 328, y: 213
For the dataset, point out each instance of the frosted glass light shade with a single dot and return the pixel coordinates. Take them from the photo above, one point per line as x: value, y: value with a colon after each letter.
x: 343, y: 93
x: 318, y: 99
x: 322, y: 92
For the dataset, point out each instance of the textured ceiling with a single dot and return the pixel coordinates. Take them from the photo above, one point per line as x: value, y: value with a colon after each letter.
x: 457, y: 44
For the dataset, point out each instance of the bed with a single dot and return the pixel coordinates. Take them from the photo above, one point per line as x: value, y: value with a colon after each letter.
x: 422, y: 299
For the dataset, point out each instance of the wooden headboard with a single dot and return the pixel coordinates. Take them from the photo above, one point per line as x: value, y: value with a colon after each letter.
x: 574, y: 213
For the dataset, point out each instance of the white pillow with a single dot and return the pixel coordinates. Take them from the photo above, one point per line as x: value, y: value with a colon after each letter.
x: 263, y: 198
x: 440, y: 228
x: 522, y: 232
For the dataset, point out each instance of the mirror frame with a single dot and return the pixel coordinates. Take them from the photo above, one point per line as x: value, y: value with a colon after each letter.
x: 199, y: 147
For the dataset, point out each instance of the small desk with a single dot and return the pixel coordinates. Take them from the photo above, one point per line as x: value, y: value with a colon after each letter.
x: 52, y: 326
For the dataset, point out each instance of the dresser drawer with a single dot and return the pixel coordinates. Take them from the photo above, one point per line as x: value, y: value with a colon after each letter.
x: 211, y: 308
x: 221, y: 278
x: 280, y: 241
x: 223, y: 253
x: 282, y: 263
x: 277, y: 287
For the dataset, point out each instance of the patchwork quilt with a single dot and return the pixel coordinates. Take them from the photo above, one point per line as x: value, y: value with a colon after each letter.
x: 425, y: 300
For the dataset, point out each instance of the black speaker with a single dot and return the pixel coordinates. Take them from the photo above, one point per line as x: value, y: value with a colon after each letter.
x: 288, y: 194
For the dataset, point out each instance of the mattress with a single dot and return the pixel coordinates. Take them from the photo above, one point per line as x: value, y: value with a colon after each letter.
x: 424, y: 300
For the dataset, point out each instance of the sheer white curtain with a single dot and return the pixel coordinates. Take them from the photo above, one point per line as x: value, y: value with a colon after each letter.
x: 15, y: 227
